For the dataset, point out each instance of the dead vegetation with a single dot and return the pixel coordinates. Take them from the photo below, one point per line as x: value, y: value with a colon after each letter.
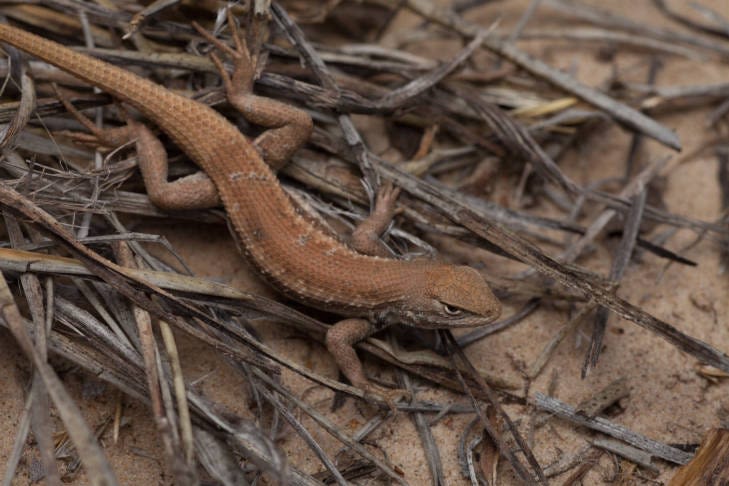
x: 475, y: 141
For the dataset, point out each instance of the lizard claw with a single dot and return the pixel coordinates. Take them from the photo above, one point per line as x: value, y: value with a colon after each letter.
x: 389, y: 396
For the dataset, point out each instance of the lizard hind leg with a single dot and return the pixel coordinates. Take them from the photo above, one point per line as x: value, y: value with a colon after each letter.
x: 195, y: 191
x: 288, y: 127
x: 98, y: 137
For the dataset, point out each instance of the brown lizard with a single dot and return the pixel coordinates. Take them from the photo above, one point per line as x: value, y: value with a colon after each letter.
x: 293, y: 254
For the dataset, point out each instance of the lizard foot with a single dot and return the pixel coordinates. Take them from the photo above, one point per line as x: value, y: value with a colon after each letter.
x: 245, y: 62
x: 386, y: 202
x: 390, y: 396
x: 106, y: 137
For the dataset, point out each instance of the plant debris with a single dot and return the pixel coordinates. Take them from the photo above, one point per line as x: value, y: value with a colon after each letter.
x: 481, y: 137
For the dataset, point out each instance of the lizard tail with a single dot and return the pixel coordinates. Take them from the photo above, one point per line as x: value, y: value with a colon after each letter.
x: 115, y: 81
x: 178, y: 116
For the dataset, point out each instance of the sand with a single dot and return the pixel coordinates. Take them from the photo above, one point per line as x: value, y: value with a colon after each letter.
x: 668, y: 401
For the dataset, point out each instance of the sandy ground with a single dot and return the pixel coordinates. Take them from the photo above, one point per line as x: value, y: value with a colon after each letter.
x: 668, y: 402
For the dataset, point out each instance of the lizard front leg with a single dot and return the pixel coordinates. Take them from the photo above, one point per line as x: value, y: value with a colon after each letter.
x: 340, y: 340
x: 288, y: 127
x: 366, y: 236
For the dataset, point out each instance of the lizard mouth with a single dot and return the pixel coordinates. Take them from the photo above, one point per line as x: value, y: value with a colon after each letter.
x: 433, y: 320
x: 438, y: 322
x: 469, y: 321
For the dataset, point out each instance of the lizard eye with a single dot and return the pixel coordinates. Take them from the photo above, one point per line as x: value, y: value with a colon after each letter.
x: 451, y: 311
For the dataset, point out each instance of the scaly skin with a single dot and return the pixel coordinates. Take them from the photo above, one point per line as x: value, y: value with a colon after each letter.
x: 296, y: 257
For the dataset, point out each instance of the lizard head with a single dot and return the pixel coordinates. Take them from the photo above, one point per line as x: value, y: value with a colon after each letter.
x: 451, y: 296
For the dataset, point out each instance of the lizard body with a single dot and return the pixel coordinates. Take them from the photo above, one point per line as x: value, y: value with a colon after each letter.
x: 294, y: 255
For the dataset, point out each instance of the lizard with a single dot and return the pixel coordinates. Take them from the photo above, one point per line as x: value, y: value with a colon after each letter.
x: 293, y: 254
